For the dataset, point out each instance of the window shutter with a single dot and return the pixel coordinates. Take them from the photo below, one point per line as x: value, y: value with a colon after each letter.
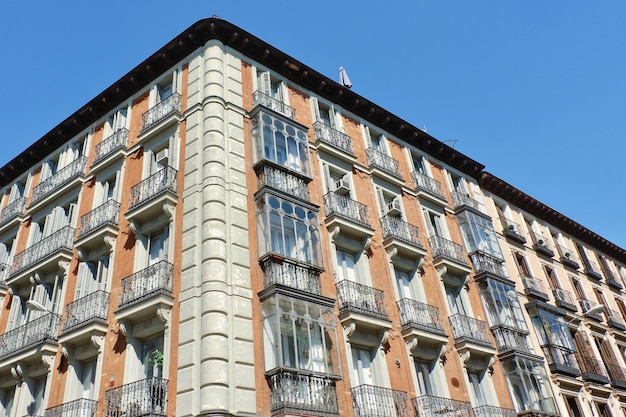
x: 315, y: 109
x: 16, y: 314
x: 381, y: 201
x: 608, y: 356
x: 265, y: 83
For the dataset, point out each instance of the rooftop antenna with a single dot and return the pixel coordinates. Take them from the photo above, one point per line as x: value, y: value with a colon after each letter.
x: 343, y: 78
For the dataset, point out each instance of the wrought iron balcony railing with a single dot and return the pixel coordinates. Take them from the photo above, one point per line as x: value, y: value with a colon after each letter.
x: 493, y: 411
x: 283, y: 181
x: 56, y: 181
x: 31, y: 334
x: 342, y: 206
x: 261, y: 99
x: 147, y: 397
x: 431, y: 406
x: 90, y: 308
x: 484, y: 263
x: 469, y: 328
x: 511, y: 339
x: 333, y: 137
x: 420, y: 316
x: 614, y: 319
x: 617, y: 374
x: 359, y: 298
x: 161, y: 111
x: 150, y: 281
x: 370, y: 400
x: 153, y: 186
x: 512, y: 230
x: 396, y: 228
x: 116, y: 141
x: 60, y: 240
x: 442, y: 247
x: 587, y: 305
x: 12, y: 210
x: 377, y: 159
x: 592, y: 269
x: 105, y: 214
x: 298, y: 393
x: 78, y: 408
x: 591, y: 366
x: 291, y: 275
x: 541, y: 245
x: 463, y: 199
x: 559, y: 356
x: 425, y: 183
x: 534, y: 286
x: 564, y: 298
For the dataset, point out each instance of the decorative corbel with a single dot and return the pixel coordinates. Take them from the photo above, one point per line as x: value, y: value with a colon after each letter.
x: 64, y: 266
x: 97, y: 341
x: 124, y: 330
x: 168, y: 209
x: 442, y: 352
x: 442, y: 271
x: 421, y: 263
x: 81, y: 253
x: 134, y: 227
x: 349, y: 329
x: 35, y: 279
x: 385, y: 338
x: 47, y: 360
x: 392, y: 253
x: 367, y: 243
x: 66, y: 352
x: 17, y: 371
x: 110, y: 242
x: 335, y: 232
x: 490, y: 364
x: 412, y: 343
x: 465, y: 356
x: 163, y: 314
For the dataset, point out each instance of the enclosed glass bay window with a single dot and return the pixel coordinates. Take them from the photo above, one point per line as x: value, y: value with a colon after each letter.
x: 502, y: 305
x: 299, y: 335
x: 478, y: 234
x: 280, y: 142
x: 529, y: 385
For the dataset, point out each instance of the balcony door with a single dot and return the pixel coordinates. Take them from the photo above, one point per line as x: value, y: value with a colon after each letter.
x: 152, y: 358
x: 362, y: 366
x: 92, y: 276
x: 347, y: 266
x: 37, y: 390
x: 476, y: 382
x: 86, y: 373
x: 425, y: 371
x: 157, y: 246
x: 435, y: 224
x: 456, y: 303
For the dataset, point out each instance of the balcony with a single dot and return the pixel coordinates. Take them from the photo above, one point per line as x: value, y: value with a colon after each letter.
x: 561, y: 360
x: 362, y: 306
x: 261, y: 99
x: 617, y: 375
x: 469, y: 329
x: 487, y: 266
x: 540, y: 245
x: 462, y: 201
x: 428, y: 187
x: 592, y: 369
x: 431, y: 406
x: 149, y: 198
x: 78, y: 408
x: 67, y: 177
x: 280, y: 271
x: 31, y: 336
x: 592, y: 270
x: 44, y: 255
x: 89, y: 314
x: 564, y: 299
x: 587, y: 305
x: 509, y: 339
x: 422, y: 323
x: 348, y: 215
x: 611, y: 281
x: 449, y: 254
x: 13, y: 211
x: 163, y: 115
x: 493, y: 411
x: 146, y: 293
x: 301, y: 393
x: 97, y: 225
x: 565, y: 257
x: 278, y: 179
x: 401, y: 237
x: 336, y: 140
x: 534, y: 287
x: 370, y: 400
x: 378, y: 160
x: 147, y: 397
x: 615, y: 319
x: 111, y: 148
x: 513, y: 231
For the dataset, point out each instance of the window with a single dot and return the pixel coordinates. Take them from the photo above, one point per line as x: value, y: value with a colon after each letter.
x: 502, y: 305
x: 271, y: 87
x: 346, y: 265
x: 157, y: 246
x: 7, y: 399
x: 602, y: 409
x: 37, y: 390
x: 337, y: 180
x: 151, y: 357
x: 528, y: 385
x: 522, y: 265
x: 362, y: 365
x: 573, y: 407
x: 57, y: 219
x: 426, y: 377
x: 578, y: 289
x: 552, y: 330
x: 116, y: 121
x: 478, y: 234
x: 375, y: 140
x: 287, y: 229
x: 477, y: 387
x: 406, y: 284
x: 325, y: 114
x: 92, y: 276
x: 435, y: 224
x: 553, y: 279
x: 299, y: 335
x: 106, y: 190
x: 86, y: 374
x: 390, y: 204
x: 280, y: 142
x: 457, y: 183
x: 456, y: 300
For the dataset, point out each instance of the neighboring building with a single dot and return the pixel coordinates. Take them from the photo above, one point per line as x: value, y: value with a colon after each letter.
x: 225, y: 231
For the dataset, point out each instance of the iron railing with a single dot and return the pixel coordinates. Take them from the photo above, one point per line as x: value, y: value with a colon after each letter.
x: 560, y: 356
x: 442, y: 247
x: 146, y: 397
x: 469, y: 328
x: 424, y: 182
x: 614, y: 318
x: 396, y: 228
x: 616, y: 373
x: 487, y: 263
x: 116, y: 141
x: 563, y: 296
x: 591, y: 365
x: 511, y: 339
x: 359, y: 298
x: 62, y: 177
x: 291, y: 275
x: 39, y: 330
x: 534, y: 285
x: 283, y: 181
x: 373, y: 401
x: 12, y: 210
x: 432, y: 406
x: 90, y: 308
x: 587, y: 305
x: 262, y: 99
x: 333, y: 137
x: 463, y: 199
x: 105, y: 214
x: 171, y: 105
x: 541, y: 245
x: 299, y: 393
x: 377, y: 159
x: 342, y: 206
x: 152, y: 280
x: 156, y: 184
x: 512, y: 230
x: 419, y: 315
x: 82, y: 407
x: 592, y: 269
x: 60, y: 240
x: 493, y: 411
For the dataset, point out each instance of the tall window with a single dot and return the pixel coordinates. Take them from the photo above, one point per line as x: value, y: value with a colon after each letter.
x: 435, y: 224
x: 92, y: 276
x: 347, y: 265
x: 528, y: 385
x: 37, y: 390
x: 86, y: 373
x: 478, y: 234
x: 426, y: 376
x: 477, y: 384
x: 553, y: 279
x: 151, y: 357
x: 502, y: 305
x: 362, y: 365
x: 522, y: 265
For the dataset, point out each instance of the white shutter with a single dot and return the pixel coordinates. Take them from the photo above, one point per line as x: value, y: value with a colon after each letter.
x: 315, y: 109
x: 381, y: 201
x: 265, y: 83
x: 86, y: 282
x: 4, y: 254
x: 102, y: 273
x: 16, y: 314
x: 120, y: 123
x: 35, y: 233
x: 17, y: 191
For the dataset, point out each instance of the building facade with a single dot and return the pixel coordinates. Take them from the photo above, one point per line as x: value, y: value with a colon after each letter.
x: 225, y: 231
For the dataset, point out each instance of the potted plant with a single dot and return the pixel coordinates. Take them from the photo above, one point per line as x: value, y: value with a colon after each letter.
x: 567, y: 254
x: 512, y: 227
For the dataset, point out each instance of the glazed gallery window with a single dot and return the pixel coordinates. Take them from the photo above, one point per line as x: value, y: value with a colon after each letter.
x: 287, y: 229
x: 502, y: 305
x: 280, y: 142
x: 479, y: 235
x: 528, y: 385
x: 299, y: 335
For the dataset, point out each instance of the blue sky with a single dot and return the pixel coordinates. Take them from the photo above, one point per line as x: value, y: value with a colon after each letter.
x: 534, y: 90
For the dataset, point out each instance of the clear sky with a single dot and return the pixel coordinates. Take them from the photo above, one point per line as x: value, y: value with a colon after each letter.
x: 532, y: 89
